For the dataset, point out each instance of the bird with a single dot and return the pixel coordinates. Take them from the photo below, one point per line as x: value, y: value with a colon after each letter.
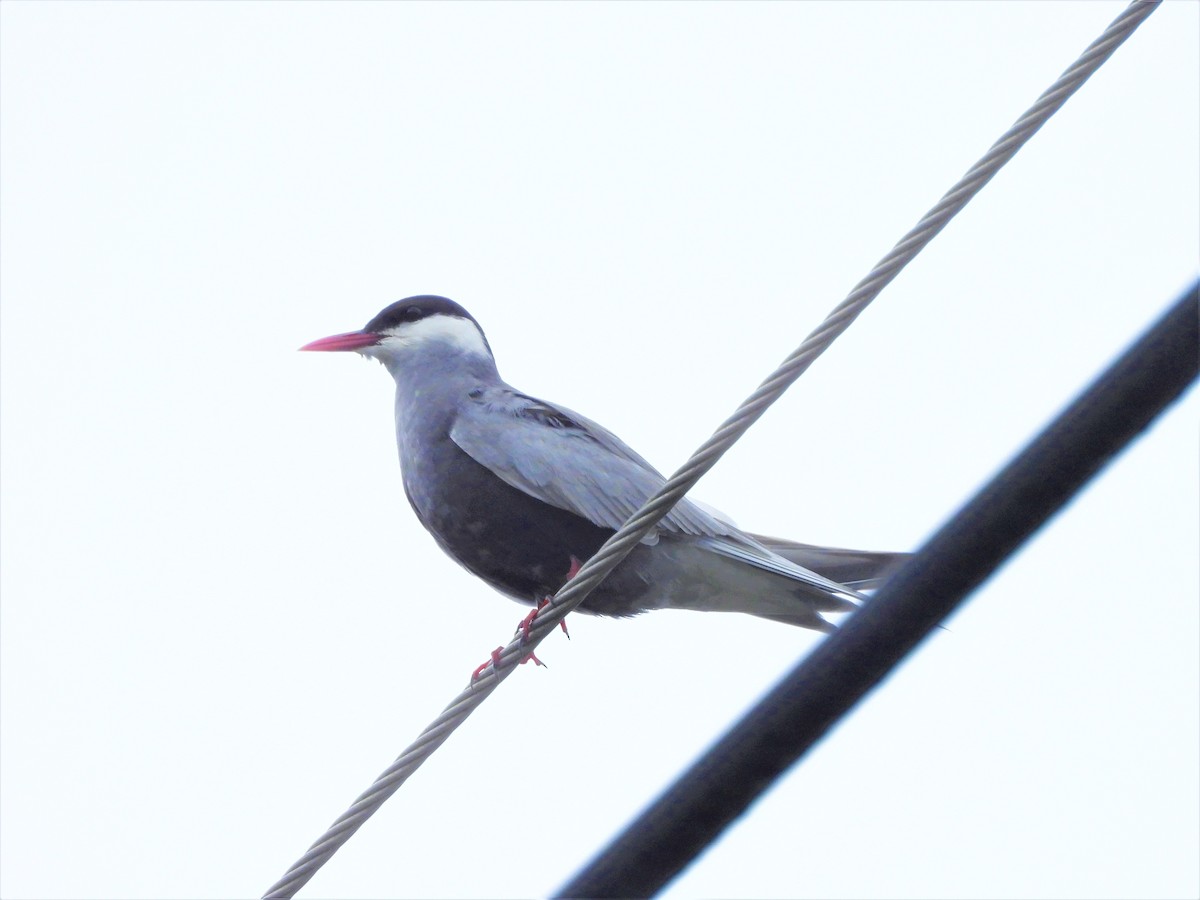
x: 518, y: 491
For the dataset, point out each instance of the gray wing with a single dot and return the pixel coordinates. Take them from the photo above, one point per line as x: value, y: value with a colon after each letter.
x: 568, y: 461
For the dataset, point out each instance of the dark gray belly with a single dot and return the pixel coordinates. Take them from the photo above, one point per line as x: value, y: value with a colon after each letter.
x: 516, y: 543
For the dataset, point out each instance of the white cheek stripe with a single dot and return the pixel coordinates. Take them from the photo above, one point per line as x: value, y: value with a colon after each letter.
x: 460, y: 333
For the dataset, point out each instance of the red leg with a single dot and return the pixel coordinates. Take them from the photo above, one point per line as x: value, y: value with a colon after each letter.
x: 494, y: 661
x: 576, y: 565
x: 526, y: 624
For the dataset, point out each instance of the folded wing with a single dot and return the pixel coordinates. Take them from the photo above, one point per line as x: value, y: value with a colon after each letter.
x: 568, y: 461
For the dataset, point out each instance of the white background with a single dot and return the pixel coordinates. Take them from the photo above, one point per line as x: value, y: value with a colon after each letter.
x: 220, y: 618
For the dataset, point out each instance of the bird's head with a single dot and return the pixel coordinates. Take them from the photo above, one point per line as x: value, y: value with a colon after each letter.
x: 412, y: 327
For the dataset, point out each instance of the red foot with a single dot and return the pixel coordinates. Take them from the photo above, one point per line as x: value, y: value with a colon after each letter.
x: 527, y: 622
x: 525, y: 626
x: 576, y: 565
x: 494, y: 662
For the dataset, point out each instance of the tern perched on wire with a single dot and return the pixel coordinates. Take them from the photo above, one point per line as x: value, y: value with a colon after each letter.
x: 519, y: 491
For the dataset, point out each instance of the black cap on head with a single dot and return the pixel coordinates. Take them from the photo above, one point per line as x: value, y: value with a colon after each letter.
x: 414, y: 309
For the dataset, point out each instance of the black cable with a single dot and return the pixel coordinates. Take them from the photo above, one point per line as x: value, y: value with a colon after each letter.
x: 1118, y: 406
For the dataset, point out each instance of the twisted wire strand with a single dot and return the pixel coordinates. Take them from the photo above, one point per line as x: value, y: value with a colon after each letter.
x: 597, y: 568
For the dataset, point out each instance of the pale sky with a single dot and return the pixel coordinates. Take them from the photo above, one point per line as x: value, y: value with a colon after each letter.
x: 220, y: 619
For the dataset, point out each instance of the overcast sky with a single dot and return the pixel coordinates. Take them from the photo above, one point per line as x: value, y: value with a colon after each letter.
x: 220, y: 618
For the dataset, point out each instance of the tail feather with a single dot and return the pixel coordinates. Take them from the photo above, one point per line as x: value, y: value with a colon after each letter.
x: 858, y: 569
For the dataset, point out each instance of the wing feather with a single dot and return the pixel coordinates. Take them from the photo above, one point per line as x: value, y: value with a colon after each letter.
x: 568, y: 461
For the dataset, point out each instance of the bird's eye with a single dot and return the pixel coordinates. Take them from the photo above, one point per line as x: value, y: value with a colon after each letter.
x: 413, y: 313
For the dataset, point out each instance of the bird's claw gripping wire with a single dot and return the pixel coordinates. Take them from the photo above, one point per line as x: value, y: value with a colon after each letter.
x: 527, y: 622
x: 524, y: 627
x: 494, y: 661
